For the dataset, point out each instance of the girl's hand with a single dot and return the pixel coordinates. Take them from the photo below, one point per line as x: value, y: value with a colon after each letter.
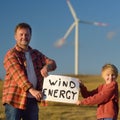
x: 78, y: 102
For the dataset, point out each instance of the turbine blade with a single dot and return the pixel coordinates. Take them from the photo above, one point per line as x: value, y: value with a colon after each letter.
x: 100, y: 24
x: 61, y: 41
x: 69, y: 31
x: 72, y: 10
x: 94, y: 23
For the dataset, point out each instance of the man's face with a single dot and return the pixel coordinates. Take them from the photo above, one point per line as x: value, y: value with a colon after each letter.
x: 22, y: 37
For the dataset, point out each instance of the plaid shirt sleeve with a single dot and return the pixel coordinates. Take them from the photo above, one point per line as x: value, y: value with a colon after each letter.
x: 15, y: 69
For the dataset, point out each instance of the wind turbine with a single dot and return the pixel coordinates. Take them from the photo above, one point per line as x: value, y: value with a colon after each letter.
x: 75, y: 25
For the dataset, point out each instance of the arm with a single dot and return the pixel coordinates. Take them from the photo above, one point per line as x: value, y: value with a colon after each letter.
x: 105, y: 93
x: 15, y: 71
x: 50, y: 65
x: 45, y: 64
x: 85, y: 93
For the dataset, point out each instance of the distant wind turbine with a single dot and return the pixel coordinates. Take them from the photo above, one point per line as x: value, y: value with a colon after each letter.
x: 75, y: 24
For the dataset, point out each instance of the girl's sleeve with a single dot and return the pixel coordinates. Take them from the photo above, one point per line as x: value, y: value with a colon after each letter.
x: 85, y: 93
x: 103, y: 95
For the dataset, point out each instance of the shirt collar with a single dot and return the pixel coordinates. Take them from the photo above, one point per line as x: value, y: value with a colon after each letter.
x: 21, y: 49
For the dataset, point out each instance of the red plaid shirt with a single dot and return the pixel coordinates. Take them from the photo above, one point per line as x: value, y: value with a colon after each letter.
x: 16, y: 82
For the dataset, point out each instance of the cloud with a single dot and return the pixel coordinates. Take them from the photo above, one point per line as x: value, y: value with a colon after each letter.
x: 111, y: 35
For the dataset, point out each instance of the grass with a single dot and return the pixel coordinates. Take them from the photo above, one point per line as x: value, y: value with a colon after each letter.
x: 65, y: 112
x: 62, y: 111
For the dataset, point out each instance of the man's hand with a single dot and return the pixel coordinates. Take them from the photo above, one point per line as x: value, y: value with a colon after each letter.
x: 44, y: 71
x: 37, y: 94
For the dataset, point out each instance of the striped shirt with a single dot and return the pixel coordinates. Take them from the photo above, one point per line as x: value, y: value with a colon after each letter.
x: 16, y: 83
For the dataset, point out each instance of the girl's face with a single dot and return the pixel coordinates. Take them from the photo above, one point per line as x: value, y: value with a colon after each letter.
x: 108, y: 76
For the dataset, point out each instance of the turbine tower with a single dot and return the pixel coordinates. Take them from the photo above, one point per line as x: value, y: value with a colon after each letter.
x: 75, y: 25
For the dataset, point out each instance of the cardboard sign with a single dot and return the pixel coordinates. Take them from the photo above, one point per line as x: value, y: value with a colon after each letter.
x: 61, y: 89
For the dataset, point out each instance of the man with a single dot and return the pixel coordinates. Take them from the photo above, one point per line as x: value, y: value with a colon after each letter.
x: 25, y: 69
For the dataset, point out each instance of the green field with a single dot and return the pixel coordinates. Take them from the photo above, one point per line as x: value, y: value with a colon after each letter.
x: 60, y: 111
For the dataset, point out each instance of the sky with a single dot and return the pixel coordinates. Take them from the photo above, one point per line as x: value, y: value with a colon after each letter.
x: 50, y: 19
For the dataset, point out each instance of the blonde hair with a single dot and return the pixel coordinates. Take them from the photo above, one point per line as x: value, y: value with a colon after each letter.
x: 112, y: 67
